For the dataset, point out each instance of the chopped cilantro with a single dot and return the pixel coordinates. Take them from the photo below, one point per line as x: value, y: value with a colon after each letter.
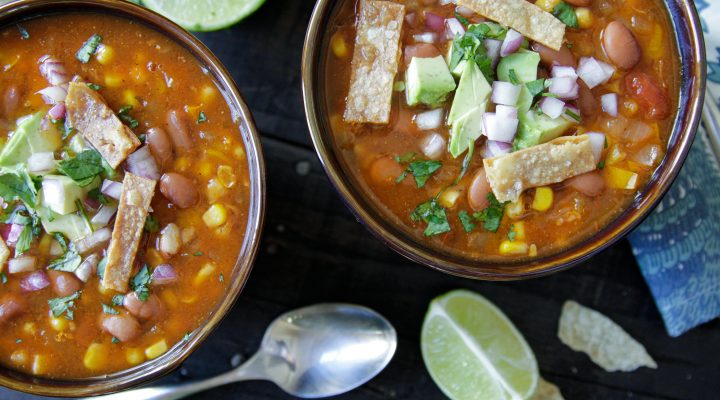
x: 512, y: 75
x: 548, y: 94
x: 405, y: 158
x: 221, y: 278
x: 83, y: 214
x: 24, y: 35
x: 466, y: 220
x: 118, y: 300
x: 124, y: 115
x: 97, y: 195
x: 18, y: 340
x: 140, y: 283
x: 64, y: 305
x: 569, y: 45
x: 109, y: 310
x: 115, y: 340
x: 69, y: 262
x: 61, y: 240
x: 601, y: 164
x: 24, y: 241
x: 462, y: 19
x: 186, y: 337
x: 94, y: 86
x: 572, y: 114
x: 88, y: 48
x: 421, y: 170
x: 152, y: 225
x: 535, y: 87
x: 198, y: 253
x: 83, y: 168
x: 201, y: 117
x: 492, y: 215
x: 101, y: 268
x: 434, y: 215
x: 470, y: 46
x: 3, y: 278
x: 512, y: 233
x: 566, y: 13
x: 18, y: 186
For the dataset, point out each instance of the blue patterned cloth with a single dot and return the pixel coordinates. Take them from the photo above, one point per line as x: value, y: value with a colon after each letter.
x: 678, y: 246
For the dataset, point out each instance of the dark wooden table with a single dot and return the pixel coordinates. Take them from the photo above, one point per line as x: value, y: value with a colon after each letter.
x: 313, y: 251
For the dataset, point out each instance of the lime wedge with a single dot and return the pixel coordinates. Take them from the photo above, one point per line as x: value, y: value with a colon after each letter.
x: 473, y: 351
x: 204, y: 15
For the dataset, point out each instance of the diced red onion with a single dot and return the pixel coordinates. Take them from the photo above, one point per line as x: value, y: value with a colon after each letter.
x: 434, y: 22
x: 53, y: 70
x: 506, y: 111
x: 499, y: 128
x: 552, y: 107
x: 38, y: 280
x: 511, y: 44
x: 57, y: 112
x: 53, y: 94
x: 505, y: 93
x: 111, y: 189
x: 564, y: 87
x: 93, y: 241
x: 163, y: 274
x: 429, y: 119
x: 39, y: 162
x: 21, y: 264
x: 562, y: 71
x: 427, y: 37
x: 594, y: 72
x: 14, y: 234
x: 142, y: 163
x: 453, y: 28
x: 647, y: 155
x: 433, y: 145
x: 610, y: 104
x: 571, y: 113
x: 89, y: 265
x: 597, y: 142
x: 496, y: 148
x: 103, y: 216
x: 492, y: 46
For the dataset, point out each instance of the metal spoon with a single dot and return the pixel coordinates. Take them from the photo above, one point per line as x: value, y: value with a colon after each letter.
x: 317, y: 351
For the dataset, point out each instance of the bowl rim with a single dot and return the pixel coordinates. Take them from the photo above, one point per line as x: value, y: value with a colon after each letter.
x: 682, y: 14
x: 19, y: 10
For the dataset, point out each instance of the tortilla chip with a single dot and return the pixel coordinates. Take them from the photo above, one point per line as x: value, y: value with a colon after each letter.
x: 526, y: 18
x: 546, y: 391
x: 607, y: 344
x: 375, y: 62
x: 544, y: 164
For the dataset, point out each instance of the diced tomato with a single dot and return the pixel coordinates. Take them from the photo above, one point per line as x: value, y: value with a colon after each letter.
x: 643, y: 88
x: 420, y: 50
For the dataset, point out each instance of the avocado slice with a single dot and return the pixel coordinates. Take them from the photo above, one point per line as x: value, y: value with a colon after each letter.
x: 29, y: 138
x: 428, y: 81
x: 536, y: 128
x: 467, y: 109
x: 70, y: 225
x: 466, y: 130
x: 60, y: 193
x: 525, y: 64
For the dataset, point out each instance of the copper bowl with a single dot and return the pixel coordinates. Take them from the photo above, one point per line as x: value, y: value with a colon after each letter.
x: 17, y: 11
x: 689, y: 46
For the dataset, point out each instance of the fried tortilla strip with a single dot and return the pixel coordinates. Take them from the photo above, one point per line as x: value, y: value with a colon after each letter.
x: 526, y: 18
x: 133, y: 210
x: 89, y: 114
x: 375, y: 62
x: 551, y: 162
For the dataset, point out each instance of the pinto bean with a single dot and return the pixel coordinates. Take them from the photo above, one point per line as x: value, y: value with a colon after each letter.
x: 124, y: 326
x: 479, y: 189
x: 10, y: 100
x: 385, y: 170
x: 550, y: 57
x: 590, y: 184
x: 160, y: 145
x: 151, y: 308
x: 620, y: 45
x: 11, y: 306
x: 586, y: 101
x: 420, y: 50
x: 178, y: 130
x: 180, y: 190
x: 64, y: 283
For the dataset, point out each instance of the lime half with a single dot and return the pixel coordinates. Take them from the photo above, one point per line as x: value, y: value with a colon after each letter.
x: 473, y: 351
x: 204, y: 15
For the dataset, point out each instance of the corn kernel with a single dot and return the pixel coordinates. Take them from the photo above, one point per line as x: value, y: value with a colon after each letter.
x: 215, y: 216
x: 215, y: 191
x: 207, y: 94
x: 104, y: 54
x: 59, y: 324
x: 339, y: 46
x: 96, y: 356
x: 113, y: 80
x: 585, y: 18
x: 182, y: 164
x: 613, y: 86
x: 519, y: 229
x: 655, y: 47
x: 547, y: 5
x: 226, y: 176
x: 224, y: 231
x: 29, y: 328
x: 630, y: 107
x: 532, y: 251
x: 619, y: 178
x: 206, y: 168
x: 134, y: 356
x: 508, y: 248
x: 543, y: 199
x: 189, y: 298
x: 615, y: 155
x: 168, y: 297
x: 45, y: 242
x: 449, y: 197
x: 41, y: 363
x: 516, y: 209
x: 188, y: 234
x: 130, y: 99
x: 138, y: 74
x: 19, y: 357
x: 205, y: 272
x: 156, y: 350
x: 239, y: 153
x: 153, y: 257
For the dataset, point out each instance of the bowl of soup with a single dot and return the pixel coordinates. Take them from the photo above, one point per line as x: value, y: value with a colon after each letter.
x: 132, y: 186
x: 502, y: 140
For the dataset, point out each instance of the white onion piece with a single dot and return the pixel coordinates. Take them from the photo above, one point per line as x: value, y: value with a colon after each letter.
x: 594, y: 72
x: 506, y: 111
x: 169, y: 240
x: 21, y: 264
x: 637, y: 131
x: 597, y: 142
x: 433, y: 146
x: 103, y: 216
x: 429, y: 119
x: 552, y: 107
x: 111, y: 189
x: 454, y: 27
x: 462, y: 10
x: 14, y: 234
x: 89, y: 265
x: 53, y: 94
x: 562, y: 71
x: 38, y: 280
x: 505, y: 93
x: 564, y: 87
x: 648, y: 155
x: 142, y: 163
x: 492, y: 47
x: 93, y: 241
x: 163, y: 274
x: 58, y: 111
x: 499, y: 128
x: 496, y: 148
x: 511, y: 44
x: 53, y: 70
x: 427, y: 37
x: 39, y: 162
x: 610, y: 104
x: 56, y: 249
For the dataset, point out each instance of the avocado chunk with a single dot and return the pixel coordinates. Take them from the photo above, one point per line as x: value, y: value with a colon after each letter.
x: 70, y: 225
x: 60, y: 194
x: 28, y: 138
x: 466, y: 130
x: 525, y: 64
x: 428, y: 81
x: 467, y: 109
x: 535, y: 128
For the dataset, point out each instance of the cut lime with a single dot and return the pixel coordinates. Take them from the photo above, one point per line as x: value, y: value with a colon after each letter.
x: 473, y: 351
x: 204, y: 15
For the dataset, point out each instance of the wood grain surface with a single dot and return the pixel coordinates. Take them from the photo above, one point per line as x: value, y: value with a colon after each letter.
x: 313, y: 251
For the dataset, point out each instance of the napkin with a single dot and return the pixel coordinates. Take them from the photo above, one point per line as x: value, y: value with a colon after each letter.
x: 678, y: 245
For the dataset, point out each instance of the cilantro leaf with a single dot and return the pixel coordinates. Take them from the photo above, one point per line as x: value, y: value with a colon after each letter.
x: 470, y: 46
x: 97, y: 195
x: 83, y: 168
x: 118, y: 300
x: 423, y: 170
x: 201, y: 117
x: 492, y: 215
x: 124, y: 115
x: 94, y: 86
x: 18, y: 186
x: 570, y: 113
x: 464, y: 21
x: 512, y: 75
x: 466, y: 220
x: 3, y: 278
x: 101, y: 268
x: 64, y: 305
x: 512, y: 233
x: 24, y: 35
x: 566, y: 13
x: 88, y: 48
x: 140, y: 283
x: 68, y: 262
x: 434, y: 215
x: 109, y: 310
x: 24, y: 241
x: 535, y: 87
x: 152, y: 225
x: 601, y: 164
x: 405, y: 158
x: 61, y: 239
